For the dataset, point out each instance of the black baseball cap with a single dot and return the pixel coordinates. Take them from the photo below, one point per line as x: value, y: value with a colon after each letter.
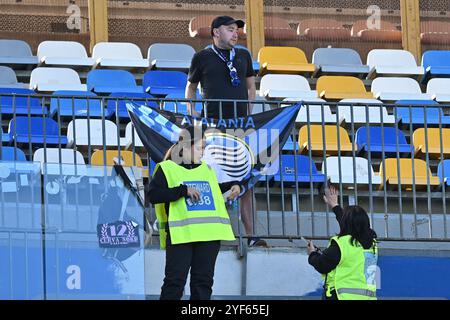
x: 225, y: 21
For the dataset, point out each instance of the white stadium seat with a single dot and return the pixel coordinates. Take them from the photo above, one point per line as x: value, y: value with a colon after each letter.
x: 393, y: 62
x: 63, y: 53
x: 54, y: 79
x: 118, y: 55
x: 393, y: 89
x: 347, y: 166
x: 280, y: 86
x: 439, y: 89
x: 171, y: 56
x: 359, y: 111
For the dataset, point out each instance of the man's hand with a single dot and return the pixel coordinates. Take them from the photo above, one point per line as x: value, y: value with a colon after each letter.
x: 193, y: 194
x: 235, y: 192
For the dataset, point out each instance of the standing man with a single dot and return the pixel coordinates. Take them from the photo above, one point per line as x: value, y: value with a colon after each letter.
x: 225, y: 73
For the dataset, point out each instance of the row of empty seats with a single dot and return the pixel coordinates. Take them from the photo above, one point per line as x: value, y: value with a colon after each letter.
x: 349, y: 171
x: 283, y: 86
x: 434, y: 142
x: 104, y: 55
x: 317, y: 139
x: 272, y: 59
x: 80, y: 132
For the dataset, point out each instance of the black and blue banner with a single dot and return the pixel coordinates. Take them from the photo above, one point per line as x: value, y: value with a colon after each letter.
x: 240, y: 149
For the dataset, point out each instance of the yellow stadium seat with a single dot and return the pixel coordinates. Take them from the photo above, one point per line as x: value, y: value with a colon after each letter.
x: 406, y: 174
x: 434, y: 142
x: 342, y: 87
x: 286, y: 60
x: 331, y: 140
x: 98, y: 159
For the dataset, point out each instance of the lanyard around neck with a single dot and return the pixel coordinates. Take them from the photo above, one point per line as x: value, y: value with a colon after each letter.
x: 222, y: 56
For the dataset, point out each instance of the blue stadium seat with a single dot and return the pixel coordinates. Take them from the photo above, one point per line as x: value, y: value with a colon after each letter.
x: 444, y: 171
x: 303, y: 170
x: 21, y: 102
x: 37, y: 134
x: 6, y: 138
x: 120, y: 103
x: 289, y: 145
x: 436, y: 63
x: 376, y: 141
x: 162, y: 83
x: 181, y: 107
x: 107, y: 81
x: 12, y: 154
x: 418, y: 114
x: 77, y: 107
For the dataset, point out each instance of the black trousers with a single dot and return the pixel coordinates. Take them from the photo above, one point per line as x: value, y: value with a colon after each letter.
x: 200, y: 258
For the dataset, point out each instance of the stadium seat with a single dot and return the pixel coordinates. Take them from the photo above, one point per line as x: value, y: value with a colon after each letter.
x: 180, y: 107
x: 129, y: 130
x: 322, y: 29
x: 377, y: 139
x: 433, y: 142
x: 392, y: 89
x: 436, y: 63
x: 276, y: 28
x: 118, y: 55
x: 360, y: 107
x: 444, y: 171
x: 418, y: 110
x: 285, y: 60
x: 92, y: 135
x: 439, y: 89
x: 279, y: 86
x: 331, y: 146
x: 117, y: 102
x: 170, y: 56
x: 8, y: 78
x: 341, y: 87
x: 406, y: 177
x: 36, y: 130
x: 345, y: 171
x: 54, y: 79
x: 98, y: 158
x: 16, y: 53
x: 435, y: 32
x: 107, y: 81
x: 315, y: 112
x: 65, y: 104
x: 304, y: 165
x: 69, y: 54
x: 338, y: 61
x: 24, y: 104
x: 200, y: 27
x: 392, y: 62
x: 12, y: 154
x: 56, y: 155
x: 385, y: 32
x: 6, y: 138
x: 162, y: 83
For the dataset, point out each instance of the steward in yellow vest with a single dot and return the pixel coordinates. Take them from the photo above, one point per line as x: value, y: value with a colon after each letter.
x: 192, y: 216
x: 349, y: 264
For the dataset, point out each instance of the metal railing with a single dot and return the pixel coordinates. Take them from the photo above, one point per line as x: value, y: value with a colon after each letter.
x: 291, y: 205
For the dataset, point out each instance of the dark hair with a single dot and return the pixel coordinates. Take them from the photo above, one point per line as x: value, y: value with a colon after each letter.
x: 188, y: 137
x: 355, y: 222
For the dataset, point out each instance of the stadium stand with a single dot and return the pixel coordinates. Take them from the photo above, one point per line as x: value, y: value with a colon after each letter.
x: 349, y: 170
x: 54, y: 79
x: 284, y: 60
x: 118, y: 55
x: 338, y: 61
x: 69, y: 54
x: 341, y: 87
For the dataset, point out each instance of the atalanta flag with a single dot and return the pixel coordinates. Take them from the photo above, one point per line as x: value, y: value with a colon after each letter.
x: 240, y: 149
